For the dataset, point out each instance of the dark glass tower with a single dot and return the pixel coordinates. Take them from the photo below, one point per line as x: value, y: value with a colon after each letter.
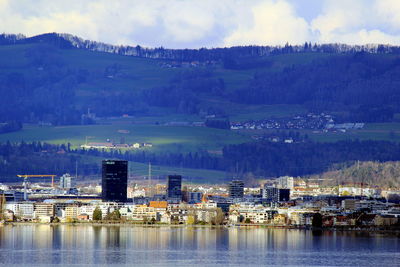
x: 114, y: 181
x: 274, y: 194
x: 174, y: 187
x: 236, y: 189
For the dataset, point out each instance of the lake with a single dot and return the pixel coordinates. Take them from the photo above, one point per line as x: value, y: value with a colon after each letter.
x: 183, y: 246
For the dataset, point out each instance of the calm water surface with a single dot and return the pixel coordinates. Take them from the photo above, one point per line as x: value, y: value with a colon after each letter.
x: 169, y: 246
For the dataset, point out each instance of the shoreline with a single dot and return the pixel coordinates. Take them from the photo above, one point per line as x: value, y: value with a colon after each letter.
x: 368, y: 229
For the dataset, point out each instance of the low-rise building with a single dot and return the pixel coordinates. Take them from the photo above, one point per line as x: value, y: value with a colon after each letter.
x: 22, y: 210
x: 44, y: 211
x: 385, y: 220
x: 144, y: 213
x: 280, y: 219
x: 71, y: 212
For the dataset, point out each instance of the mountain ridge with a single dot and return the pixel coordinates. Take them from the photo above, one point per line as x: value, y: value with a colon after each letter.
x: 66, y: 40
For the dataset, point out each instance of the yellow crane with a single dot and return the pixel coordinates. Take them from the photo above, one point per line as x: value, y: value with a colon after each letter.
x: 26, y: 176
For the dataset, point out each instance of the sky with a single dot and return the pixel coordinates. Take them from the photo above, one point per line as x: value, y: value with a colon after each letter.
x: 208, y: 23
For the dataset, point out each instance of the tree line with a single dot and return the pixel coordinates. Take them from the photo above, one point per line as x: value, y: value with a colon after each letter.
x: 262, y: 158
x: 68, y: 41
x: 296, y: 159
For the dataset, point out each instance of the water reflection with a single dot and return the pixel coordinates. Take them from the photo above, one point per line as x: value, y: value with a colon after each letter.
x: 80, y: 244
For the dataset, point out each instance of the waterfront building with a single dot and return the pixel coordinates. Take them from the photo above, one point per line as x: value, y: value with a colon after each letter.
x: 250, y: 212
x: 144, y: 213
x: 44, y: 211
x: 166, y: 218
x: 206, y: 215
x: 236, y: 189
x: 174, y: 187
x: 71, y: 212
x: 24, y: 210
x: 280, y: 219
x: 114, y: 180
x: 87, y: 210
x: 126, y: 212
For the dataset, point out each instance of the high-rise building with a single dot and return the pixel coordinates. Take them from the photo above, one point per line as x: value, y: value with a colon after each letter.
x: 174, y: 187
x: 275, y: 194
x: 114, y: 181
x: 66, y: 181
x: 285, y: 182
x: 236, y: 189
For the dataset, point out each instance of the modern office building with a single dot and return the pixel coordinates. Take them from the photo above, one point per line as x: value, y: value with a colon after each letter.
x: 285, y: 182
x: 174, y: 187
x: 236, y: 189
x: 275, y: 194
x: 114, y: 182
x: 66, y: 181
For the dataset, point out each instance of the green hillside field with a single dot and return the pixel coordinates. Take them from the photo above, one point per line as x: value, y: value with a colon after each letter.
x: 164, y: 138
x: 135, y: 74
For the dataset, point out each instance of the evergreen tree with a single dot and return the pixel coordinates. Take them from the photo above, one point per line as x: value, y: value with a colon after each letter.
x: 97, y: 214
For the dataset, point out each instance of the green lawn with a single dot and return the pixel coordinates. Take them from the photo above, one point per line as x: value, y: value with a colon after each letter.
x: 371, y: 131
x: 361, y: 135
x: 259, y: 112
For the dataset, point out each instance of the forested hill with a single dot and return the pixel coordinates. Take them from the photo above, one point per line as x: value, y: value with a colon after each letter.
x: 368, y: 173
x: 46, y: 78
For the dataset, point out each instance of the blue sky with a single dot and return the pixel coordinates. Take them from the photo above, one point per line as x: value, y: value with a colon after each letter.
x: 208, y: 23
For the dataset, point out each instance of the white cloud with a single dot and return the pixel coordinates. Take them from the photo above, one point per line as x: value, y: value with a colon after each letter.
x: 199, y: 23
x: 186, y: 21
x: 273, y: 23
x: 358, y: 22
x: 388, y: 13
x: 364, y: 36
x: 155, y: 23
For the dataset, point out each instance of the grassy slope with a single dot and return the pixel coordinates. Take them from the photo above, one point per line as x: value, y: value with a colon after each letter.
x: 138, y: 73
x: 134, y: 73
x: 164, y: 138
x: 374, y: 131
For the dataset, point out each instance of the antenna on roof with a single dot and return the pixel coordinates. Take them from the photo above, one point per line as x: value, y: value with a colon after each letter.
x: 76, y: 169
x: 149, y: 178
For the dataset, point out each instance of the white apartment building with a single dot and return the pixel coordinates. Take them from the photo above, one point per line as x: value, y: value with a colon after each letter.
x: 25, y: 210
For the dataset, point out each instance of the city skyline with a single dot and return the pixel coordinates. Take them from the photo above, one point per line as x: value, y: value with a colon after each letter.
x: 200, y: 132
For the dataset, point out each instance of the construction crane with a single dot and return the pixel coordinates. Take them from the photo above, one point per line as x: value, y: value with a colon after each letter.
x: 26, y: 176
